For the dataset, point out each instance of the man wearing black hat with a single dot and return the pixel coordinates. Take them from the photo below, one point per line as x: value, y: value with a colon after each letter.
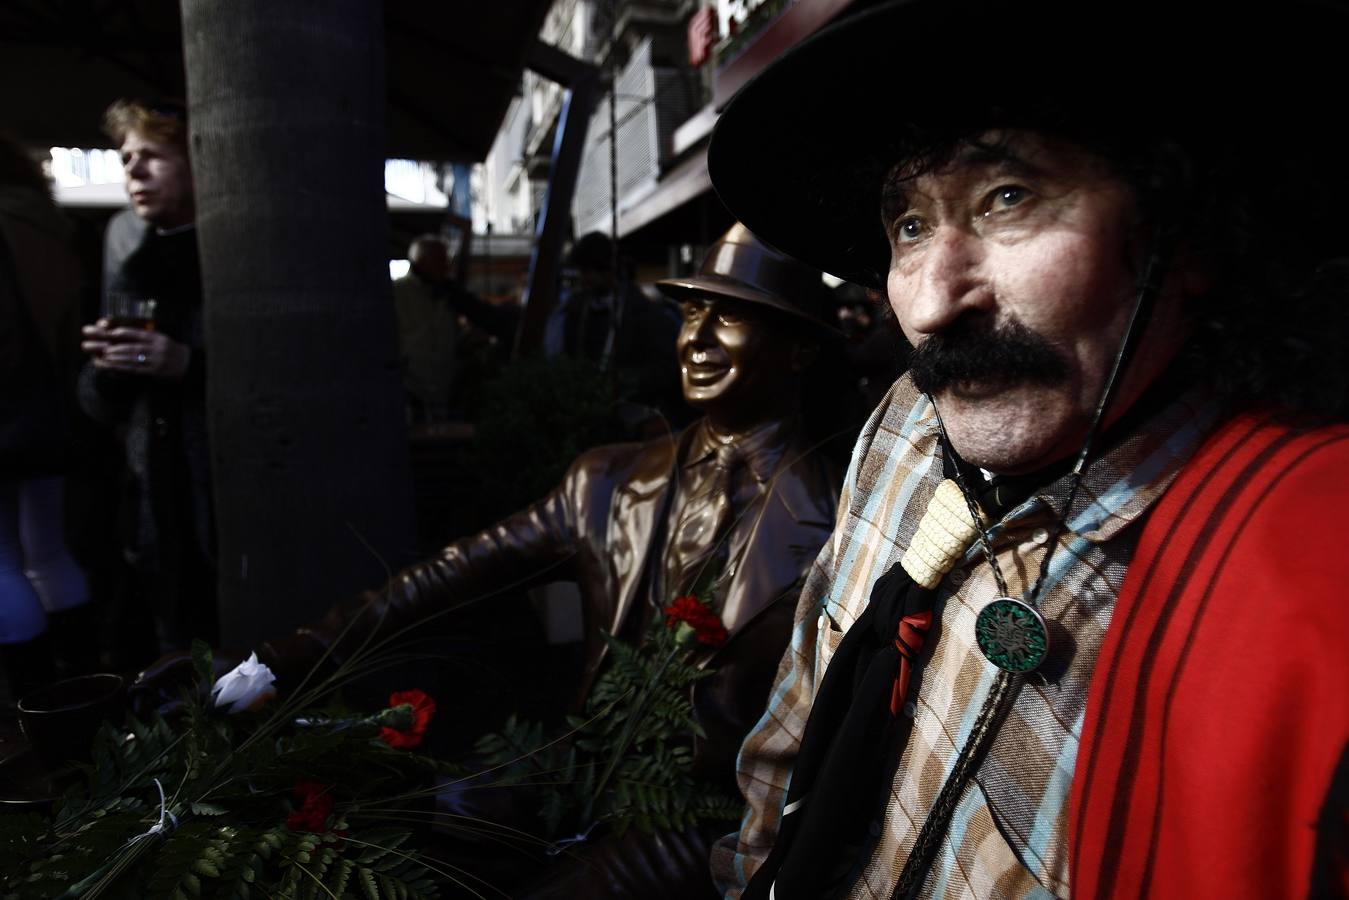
x: 1080, y: 629
x: 743, y: 491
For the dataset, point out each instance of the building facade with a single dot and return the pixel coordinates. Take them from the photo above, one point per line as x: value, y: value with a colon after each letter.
x: 675, y: 63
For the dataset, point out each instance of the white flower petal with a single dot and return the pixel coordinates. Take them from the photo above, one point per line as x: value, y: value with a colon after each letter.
x: 244, y: 685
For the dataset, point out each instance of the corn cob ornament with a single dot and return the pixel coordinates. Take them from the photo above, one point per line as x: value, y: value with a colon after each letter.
x: 944, y: 534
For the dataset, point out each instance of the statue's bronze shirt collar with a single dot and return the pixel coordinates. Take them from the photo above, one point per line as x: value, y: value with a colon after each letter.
x: 761, y: 447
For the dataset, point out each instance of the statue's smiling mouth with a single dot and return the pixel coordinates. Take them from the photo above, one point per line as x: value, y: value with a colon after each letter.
x: 702, y: 367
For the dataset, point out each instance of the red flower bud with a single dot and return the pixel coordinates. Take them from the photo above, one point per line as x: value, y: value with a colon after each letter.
x: 423, y: 708
x: 706, y: 624
x: 316, y: 804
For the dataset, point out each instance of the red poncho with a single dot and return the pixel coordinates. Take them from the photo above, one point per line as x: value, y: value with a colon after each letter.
x: 1218, y: 713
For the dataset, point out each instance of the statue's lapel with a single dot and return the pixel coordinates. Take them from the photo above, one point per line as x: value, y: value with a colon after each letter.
x: 639, y: 503
x: 777, y: 540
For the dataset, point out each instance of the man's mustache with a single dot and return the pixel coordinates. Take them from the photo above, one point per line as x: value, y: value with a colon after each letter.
x: 977, y: 350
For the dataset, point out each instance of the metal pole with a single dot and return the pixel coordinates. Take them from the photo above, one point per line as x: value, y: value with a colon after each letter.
x: 583, y: 82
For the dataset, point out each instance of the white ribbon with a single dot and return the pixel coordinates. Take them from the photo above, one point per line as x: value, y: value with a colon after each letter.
x: 159, y: 827
x: 167, y: 820
x: 579, y: 838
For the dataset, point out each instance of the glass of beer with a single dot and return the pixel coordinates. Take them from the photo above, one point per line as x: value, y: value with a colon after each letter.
x: 125, y: 311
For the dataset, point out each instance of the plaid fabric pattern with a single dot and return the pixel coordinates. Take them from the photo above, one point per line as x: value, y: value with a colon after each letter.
x: 1007, y: 836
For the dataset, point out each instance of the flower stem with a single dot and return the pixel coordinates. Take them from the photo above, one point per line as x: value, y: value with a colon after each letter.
x: 629, y: 731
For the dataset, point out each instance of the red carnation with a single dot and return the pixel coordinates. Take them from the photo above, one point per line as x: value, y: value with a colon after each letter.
x: 316, y: 804
x: 422, y: 708
x: 698, y: 616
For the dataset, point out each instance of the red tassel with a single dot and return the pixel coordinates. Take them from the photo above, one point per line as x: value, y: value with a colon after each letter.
x: 909, y: 640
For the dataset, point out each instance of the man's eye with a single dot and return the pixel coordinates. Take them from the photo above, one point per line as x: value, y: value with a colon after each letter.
x: 1006, y: 196
x: 726, y: 318
x: 908, y: 229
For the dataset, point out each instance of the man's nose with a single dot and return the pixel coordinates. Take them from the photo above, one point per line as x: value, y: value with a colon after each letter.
x: 134, y: 167
x: 949, y: 281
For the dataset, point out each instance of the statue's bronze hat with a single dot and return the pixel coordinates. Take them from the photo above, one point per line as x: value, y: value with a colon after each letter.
x: 742, y: 267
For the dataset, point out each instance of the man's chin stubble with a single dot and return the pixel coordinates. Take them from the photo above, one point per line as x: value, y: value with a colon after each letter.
x: 1010, y: 440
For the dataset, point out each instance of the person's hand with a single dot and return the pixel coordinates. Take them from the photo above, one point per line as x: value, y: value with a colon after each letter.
x: 161, y: 684
x: 135, y: 351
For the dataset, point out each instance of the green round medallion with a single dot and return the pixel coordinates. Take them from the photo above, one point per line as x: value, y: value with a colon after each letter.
x: 1012, y: 634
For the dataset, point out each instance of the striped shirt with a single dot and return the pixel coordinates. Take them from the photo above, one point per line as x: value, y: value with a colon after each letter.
x: 1007, y: 835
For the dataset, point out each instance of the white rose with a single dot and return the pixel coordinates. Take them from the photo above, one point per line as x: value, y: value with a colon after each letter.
x: 246, y: 686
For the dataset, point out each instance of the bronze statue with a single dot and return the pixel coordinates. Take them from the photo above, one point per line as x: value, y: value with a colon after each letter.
x: 632, y: 524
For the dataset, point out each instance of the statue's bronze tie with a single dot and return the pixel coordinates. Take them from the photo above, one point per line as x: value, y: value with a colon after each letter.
x: 701, y: 540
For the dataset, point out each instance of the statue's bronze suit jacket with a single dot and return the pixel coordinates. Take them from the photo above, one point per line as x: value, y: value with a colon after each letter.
x: 599, y: 528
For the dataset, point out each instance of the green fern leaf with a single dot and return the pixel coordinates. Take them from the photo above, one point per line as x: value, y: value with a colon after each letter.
x: 366, y: 879
x: 341, y: 876
x: 208, y: 809
x: 206, y: 867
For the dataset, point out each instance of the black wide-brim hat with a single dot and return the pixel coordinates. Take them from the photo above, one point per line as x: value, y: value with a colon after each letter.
x: 800, y: 153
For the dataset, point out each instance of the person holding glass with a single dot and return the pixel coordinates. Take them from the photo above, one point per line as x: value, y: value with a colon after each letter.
x: 145, y: 374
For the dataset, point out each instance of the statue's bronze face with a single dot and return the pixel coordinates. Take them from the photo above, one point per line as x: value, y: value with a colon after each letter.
x: 734, y: 357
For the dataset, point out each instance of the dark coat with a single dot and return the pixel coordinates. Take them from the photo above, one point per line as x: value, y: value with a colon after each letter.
x: 163, y: 424
x: 39, y: 303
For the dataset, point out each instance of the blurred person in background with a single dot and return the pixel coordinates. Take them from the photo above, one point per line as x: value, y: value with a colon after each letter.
x: 876, y: 348
x: 446, y: 333
x: 44, y: 599
x: 146, y: 374
x: 603, y: 316
x: 428, y: 329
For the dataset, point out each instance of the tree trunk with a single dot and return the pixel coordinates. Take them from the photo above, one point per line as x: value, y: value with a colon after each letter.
x: 308, y: 445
